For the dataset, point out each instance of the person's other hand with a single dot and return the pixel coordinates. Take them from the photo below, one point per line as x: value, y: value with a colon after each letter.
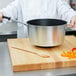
x: 1, y: 16
x: 73, y: 23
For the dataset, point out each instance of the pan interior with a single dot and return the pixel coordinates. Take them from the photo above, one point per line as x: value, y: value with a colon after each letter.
x: 46, y: 22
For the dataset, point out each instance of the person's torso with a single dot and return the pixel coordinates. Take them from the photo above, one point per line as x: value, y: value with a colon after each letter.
x: 35, y: 9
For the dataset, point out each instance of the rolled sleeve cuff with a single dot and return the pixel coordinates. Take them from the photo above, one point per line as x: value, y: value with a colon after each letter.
x: 71, y: 15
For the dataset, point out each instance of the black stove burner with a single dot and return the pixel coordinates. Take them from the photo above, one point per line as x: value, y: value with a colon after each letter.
x: 71, y: 33
x: 3, y: 38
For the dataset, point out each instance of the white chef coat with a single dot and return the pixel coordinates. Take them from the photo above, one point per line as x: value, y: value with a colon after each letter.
x: 25, y: 10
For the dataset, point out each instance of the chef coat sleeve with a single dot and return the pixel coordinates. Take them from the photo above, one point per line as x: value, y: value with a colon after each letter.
x: 65, y: 11
x: 10, y: 10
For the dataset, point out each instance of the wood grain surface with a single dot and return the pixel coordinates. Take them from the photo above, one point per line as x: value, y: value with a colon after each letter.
x: 24, y: 55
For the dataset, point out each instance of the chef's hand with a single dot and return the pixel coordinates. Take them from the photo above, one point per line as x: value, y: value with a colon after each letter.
x: 1, y: 16
x: 73, y: 23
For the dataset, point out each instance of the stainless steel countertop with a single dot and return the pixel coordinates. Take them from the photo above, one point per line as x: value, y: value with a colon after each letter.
x: 6, y: 70
x: 5, y: 64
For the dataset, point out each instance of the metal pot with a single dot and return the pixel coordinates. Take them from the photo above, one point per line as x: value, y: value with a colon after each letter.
x: 46, y: 32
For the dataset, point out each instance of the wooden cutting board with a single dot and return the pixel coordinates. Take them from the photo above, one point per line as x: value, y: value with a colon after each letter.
x: 26, y: 61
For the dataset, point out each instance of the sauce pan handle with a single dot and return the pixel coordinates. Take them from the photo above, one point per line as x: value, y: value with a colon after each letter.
x: 9, y: 18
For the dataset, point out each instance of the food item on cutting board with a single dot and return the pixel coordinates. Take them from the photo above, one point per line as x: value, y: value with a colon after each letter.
x: 69, y: 54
